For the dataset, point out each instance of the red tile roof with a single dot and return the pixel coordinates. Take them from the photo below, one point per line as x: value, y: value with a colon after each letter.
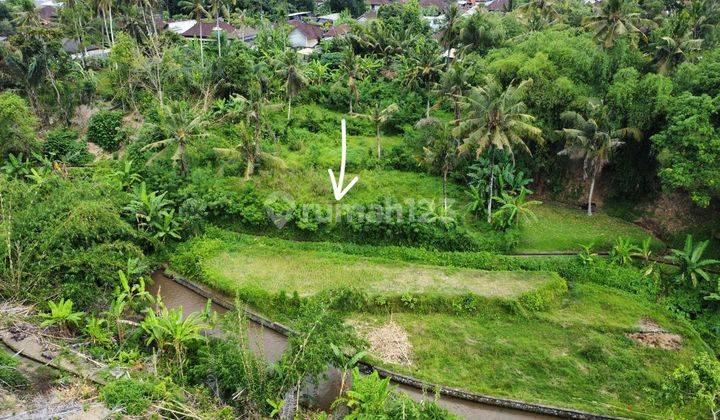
x: 339, y: 30
x: 497, y: 6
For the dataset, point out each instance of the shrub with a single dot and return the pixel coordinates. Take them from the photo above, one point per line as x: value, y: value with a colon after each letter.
x: 63, y: 144
x: 17, y: 126
x: 10, y: 376
x: 59, y: 142
x: 104, y: 130
x: 68, y: 236
x: 133, y: 395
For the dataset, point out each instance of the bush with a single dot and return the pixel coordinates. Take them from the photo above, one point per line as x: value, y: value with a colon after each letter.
x: 133, y: 395
x: 104, y: 130
x: 68, y: 236
x: 17, y: 126
x: 59, y: 142
x: 63, y: 144
x: 10, y: 376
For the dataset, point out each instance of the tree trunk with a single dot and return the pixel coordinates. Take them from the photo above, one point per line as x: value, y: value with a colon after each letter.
x: 427, y: 107
x: 217, y: 26
x: 202, y: 53
x: 590, y: 195
x: 457, y: 111
x: 490, y: 190
x: 377, y: 138
x: 289, y: 105
x: 105, y: 25
x: 445, y: 201
x: 250, y: 168
x: 351, y: 103
x: 112, y: 33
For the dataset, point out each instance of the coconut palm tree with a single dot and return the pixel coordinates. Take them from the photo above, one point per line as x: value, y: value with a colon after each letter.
x: 25, y: 14
x: 440, y: 150
x: 616, y: 19
x: 218, y: 8
x: 351, y: 67
x: 422, y: 68
x: 29, y: 70
x: 450, y: 31
x: 691, y: 263
x: 544, y: 8
x: 453, y: 85
x: 290, y: 69
x: 379, y: 117
x: 180, y: 125
x: 496, y: 118
x: 592, y: 141
x: 196, y: 8
x: 104, y: 8
x: 672, y: 50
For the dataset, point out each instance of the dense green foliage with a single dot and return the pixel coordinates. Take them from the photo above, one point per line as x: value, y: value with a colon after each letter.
x: 104, y: 130
x: 212, y: 155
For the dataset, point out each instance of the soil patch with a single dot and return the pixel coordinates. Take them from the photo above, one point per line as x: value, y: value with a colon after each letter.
x: 653, y: 335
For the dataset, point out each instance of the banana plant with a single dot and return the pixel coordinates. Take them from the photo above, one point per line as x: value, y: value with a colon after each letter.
x: 345, y: 363
x: 692, y: 265
x: 61, y: 313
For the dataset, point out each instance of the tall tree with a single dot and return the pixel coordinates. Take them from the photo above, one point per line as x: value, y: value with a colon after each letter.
x: 496, y: 118
x: 352, y: 68
x: 379, y: 116
x: 440, y: 150
x: 25, y: 14
x: 180, y: 125
x: 105, y: 7
x: 218, y: 8
x: 616, y: 19
x: 290, y: 69
x: 545, y: 9
x: 453, y: 85
x: 673, y: 49
x: 422, y: 68
x: 593, y: 141
x: 450, y: 31
x: 197, y: 9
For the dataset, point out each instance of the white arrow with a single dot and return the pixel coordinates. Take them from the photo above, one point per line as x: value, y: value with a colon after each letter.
x: 338, y: 190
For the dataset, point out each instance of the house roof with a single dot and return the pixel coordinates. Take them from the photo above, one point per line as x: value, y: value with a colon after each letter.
x: 309, y: 31
x: 497, y: 5
x: 72, y: 46
x: 440, y: 4
x: 207, y: 30
x: 246, y: 31
x: 339, y: 30
x: 47, y: 13
x: 369, y: 15
x: 379, y: 2
x: 180, y: 26
x: 332, y: 16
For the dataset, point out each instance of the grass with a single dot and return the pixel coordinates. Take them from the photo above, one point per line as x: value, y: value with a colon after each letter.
x: 308, y: 272
x: 561, y: 228
x: 575, y: 356
x: 313, y: 146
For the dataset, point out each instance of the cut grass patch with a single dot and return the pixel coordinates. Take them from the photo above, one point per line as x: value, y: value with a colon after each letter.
x: 565, y: 357
x: 309, y: 272
x: 561, y: 228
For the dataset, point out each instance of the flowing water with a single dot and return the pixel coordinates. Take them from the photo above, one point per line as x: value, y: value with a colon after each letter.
x: 272, y: 344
